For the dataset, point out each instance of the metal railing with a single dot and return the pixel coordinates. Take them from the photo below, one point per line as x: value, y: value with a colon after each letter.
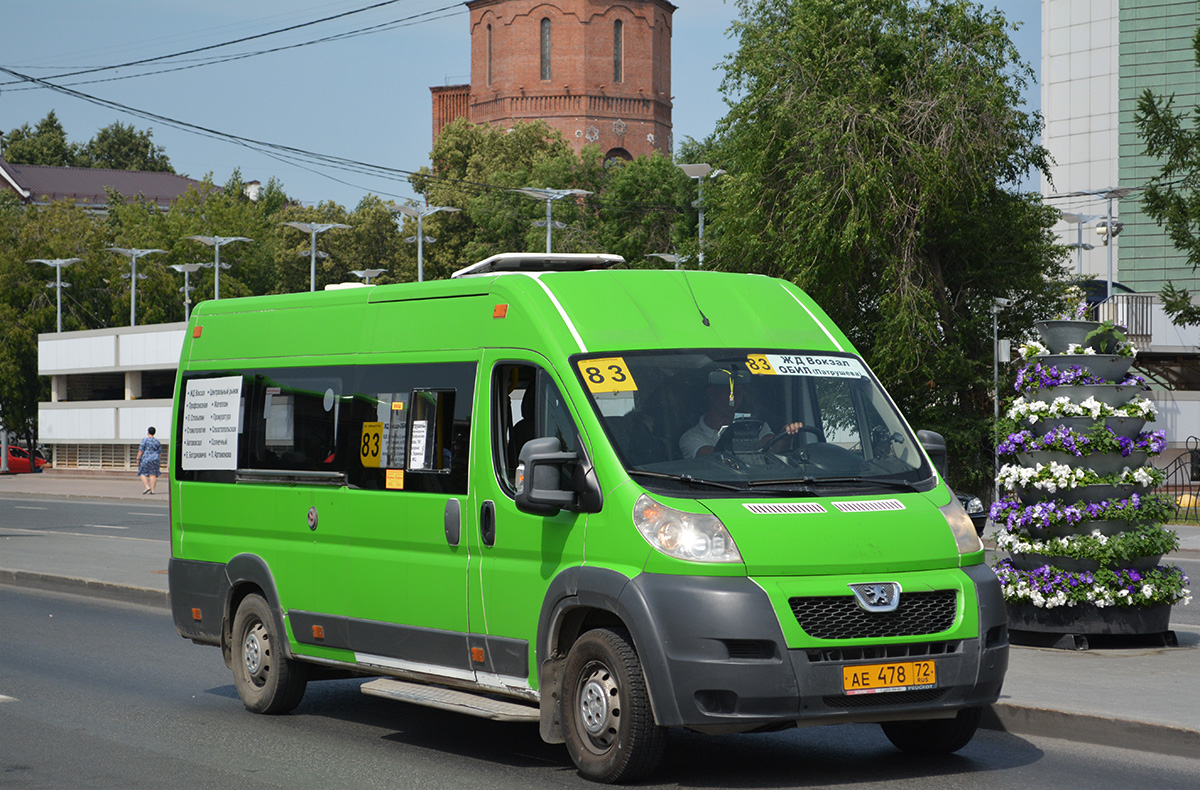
x: 1133, y: 311
x: 1182, y: 482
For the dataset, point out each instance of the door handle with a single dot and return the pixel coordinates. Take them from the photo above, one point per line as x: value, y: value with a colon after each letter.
x: 453, y: 522
x: 487, y: 523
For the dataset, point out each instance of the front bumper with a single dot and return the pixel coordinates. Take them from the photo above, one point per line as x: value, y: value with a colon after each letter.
x: 717, y: 659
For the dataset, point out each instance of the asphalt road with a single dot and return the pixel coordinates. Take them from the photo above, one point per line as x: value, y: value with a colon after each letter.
x: 113, y: 518
x: 106, y: 695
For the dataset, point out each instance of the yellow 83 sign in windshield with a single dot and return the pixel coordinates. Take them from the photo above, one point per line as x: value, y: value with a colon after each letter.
x: 610, y: 374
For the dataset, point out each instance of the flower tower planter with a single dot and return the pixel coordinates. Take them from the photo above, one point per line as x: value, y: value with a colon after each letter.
x: 1079, y: 521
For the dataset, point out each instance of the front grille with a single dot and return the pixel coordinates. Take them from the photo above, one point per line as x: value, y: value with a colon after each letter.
x: 840, y: 616
x: 876, y: 700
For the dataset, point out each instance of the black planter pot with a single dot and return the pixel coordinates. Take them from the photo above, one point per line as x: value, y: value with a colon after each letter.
x: 1126, y: 427
x: 1059, y: 335
x: 1109, y: 367
x: 1104, y: 527
x: 1102, y: 464
x: 1031, y: 562
x: 1114, y: 395
x: 1088, y: 619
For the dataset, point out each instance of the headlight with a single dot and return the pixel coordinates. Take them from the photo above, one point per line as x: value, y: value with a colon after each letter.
x: 960, y: 524
x: 687, y: 536
x: 974, y: 505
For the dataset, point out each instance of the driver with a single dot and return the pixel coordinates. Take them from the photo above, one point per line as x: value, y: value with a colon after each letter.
x: 726, y: 391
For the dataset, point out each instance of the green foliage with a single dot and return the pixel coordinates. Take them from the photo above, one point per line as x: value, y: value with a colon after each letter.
x: 46, y: 144
x: 869, y: 145
x: 117, y: 146
x: 1172, y: 197
x: 634, y: 209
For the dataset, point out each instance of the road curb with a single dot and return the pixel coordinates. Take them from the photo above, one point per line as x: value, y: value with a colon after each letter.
x: 145, y: 596
x: 1096, y: 730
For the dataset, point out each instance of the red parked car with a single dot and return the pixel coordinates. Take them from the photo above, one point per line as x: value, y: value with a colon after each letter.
x: 18, y: 460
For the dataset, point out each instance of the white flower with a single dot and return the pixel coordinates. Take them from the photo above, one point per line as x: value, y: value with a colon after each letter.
x: 1076, y: 348
x: 1032, y: 349
x: 1148, y: 590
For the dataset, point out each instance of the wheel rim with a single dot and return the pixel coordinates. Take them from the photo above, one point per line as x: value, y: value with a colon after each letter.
x: 254, y: 653
x: 599, y: 707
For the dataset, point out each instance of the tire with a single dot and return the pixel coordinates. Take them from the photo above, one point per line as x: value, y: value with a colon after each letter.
x: 934, y: 736
x: 609, y: 726
x: 267, y: 681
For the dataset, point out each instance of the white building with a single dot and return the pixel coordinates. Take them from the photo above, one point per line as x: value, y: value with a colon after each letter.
x: 107, y: 386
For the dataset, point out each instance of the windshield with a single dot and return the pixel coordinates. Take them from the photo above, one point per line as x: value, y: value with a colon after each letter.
x: 752, y: 420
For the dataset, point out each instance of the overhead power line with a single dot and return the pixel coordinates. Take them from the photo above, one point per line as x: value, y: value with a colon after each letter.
x: 242, y: 40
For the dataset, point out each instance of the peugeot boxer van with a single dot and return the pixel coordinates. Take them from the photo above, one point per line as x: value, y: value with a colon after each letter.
x: 555, y: 490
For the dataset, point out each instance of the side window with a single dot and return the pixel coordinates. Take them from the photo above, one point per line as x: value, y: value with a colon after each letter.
x: 388, y: 427
x: 526, y: 404
x: 411, y: 427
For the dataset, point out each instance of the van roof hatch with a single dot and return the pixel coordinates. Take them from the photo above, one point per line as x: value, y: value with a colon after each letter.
x: 540, y: 262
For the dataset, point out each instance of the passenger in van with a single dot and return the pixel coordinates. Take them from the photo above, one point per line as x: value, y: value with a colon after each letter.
x: 726, y: 393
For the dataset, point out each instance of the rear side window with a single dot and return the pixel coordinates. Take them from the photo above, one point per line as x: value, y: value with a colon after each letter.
x: 387, y: 427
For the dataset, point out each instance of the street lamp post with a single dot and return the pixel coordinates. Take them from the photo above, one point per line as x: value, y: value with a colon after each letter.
x: 58, y: 264
x: 133, y: 276
x: 187, y: 269
x: 699, y: 172
x: 1080, y: 220
x: 1109, y: 229
x: 314, y: 228
x: 549, y: 195
x: 420, y: 212
x: 216, y: 243
x: 998, y: 304
x: 367, y: 274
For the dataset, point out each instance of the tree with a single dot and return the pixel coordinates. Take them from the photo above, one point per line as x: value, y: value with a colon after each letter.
x: 1172, y: 198
x: 120, y: 146
x: 44, y: 145
x: 117, y: 146
x: 868, y: 146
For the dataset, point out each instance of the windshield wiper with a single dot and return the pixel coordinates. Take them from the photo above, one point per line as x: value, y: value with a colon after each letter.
x: 686, y: 480
x: 821, y: 481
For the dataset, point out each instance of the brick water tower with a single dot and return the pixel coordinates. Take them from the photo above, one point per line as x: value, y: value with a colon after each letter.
x: 599, y: 72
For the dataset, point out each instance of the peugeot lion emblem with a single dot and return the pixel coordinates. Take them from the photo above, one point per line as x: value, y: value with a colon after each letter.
x: 877, y: 596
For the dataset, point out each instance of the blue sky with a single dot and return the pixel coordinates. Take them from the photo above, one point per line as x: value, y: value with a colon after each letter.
x: 364, y: 97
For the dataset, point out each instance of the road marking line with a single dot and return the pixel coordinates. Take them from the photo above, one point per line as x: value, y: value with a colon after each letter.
x: 92, y: 535
x: 27, y: 507
x: 7, y: 699
x: 103, y: 526
x: 145, y: 512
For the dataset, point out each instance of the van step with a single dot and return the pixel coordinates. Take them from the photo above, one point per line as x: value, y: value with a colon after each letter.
x: 449, y: 699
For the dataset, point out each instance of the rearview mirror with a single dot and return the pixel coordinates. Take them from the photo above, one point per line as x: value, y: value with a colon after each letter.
x: 541, y: 477
x: 935, y: 446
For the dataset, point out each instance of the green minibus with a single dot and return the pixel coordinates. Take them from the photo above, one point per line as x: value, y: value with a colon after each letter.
x: 553, y: 489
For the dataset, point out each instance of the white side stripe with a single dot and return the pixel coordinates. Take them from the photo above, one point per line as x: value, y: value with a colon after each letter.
x: 570, y: 325
x: 813, y: 317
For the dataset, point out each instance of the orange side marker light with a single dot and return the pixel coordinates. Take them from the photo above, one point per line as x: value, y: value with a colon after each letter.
x: 500, y: 311
x: 318, y: 632
x: 477, y: 655
x: 196, y: 330
x: 196, y: 613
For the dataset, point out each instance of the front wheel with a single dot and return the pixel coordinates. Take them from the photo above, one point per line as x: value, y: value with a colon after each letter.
x: 935, y: 736
x: 267, y: 681
x: 610, y: 730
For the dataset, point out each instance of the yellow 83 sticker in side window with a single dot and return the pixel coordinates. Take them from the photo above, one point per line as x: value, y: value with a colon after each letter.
x: 368, y: 445
x: 610, y: 374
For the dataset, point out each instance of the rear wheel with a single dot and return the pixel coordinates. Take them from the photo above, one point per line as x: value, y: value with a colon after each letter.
x: 267, y: 681
x: 935, y: 736
x: 610, y: 730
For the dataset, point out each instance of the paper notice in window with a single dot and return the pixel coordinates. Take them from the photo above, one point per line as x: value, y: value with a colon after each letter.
x: 416, y: 452
x: 211, y: 411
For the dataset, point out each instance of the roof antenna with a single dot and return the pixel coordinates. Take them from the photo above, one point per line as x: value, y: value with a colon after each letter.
x: 703, y: 317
